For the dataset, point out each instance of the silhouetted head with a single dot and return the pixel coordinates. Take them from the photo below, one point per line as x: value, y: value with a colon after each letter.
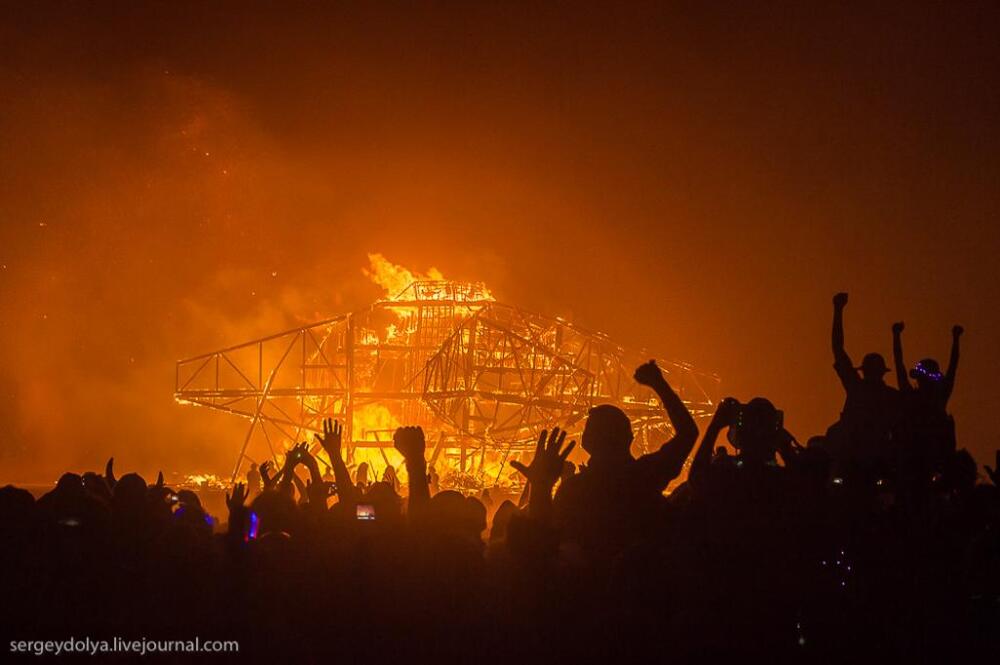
x: 387, y: 502
x: 607, y: 435
x: 927, y: 372
x: 192, y: 516
x: 95, y: 484
x: 189, y: 498
x: 486, y: 498
x: 447, y: 503
x: 452, y: 513
x: 69, y: 485
x: 960, y: 471
x: 501, y: 518
x: 817, y: 441
x: 129, y: 494
x: 17, y: 508
x: 276, y: 512
x: 758, y: 431
x: 815, y: 460
x: 873, y: 368
x: 475, y: 517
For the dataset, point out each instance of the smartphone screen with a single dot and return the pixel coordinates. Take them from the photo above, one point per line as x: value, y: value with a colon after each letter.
x: 366, y: 511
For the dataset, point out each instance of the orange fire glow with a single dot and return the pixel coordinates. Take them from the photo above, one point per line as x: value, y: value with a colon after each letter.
x: 395, y: 278
x: 375, y: 421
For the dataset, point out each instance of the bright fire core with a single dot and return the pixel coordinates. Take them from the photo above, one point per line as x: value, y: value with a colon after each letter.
x: 482, y: 378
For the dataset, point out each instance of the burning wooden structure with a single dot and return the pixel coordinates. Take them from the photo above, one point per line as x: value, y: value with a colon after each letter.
x: 481, y: 377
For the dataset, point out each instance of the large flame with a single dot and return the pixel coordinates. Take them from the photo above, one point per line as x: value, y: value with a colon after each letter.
x: 395, y: 278
x: 375, y: 422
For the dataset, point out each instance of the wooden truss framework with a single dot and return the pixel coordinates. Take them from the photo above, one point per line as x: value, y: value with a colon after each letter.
x: 474, y: 373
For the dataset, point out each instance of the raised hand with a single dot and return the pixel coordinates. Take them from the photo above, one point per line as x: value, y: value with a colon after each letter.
x: 994, y: 471
x: 649, y: 374
x: 297, y: 453
x: 547, y: 465
x: 304, y: 457
x: 686, y: 432
x: 294, y: 455
x: 897, y: 328
x: 957, y: 331
x: 409, y: 441
x: 265, y: 474
x: 159, y: 479
x: 331, y: 439
x: 238, y: 498
x: 840, y: 300
x: 237, y: 513
x: 109, y: 472
x: 726, y: 412
x: 788, y: 448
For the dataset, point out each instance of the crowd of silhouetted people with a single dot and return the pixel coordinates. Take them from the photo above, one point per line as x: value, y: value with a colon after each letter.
x: 878, y: 540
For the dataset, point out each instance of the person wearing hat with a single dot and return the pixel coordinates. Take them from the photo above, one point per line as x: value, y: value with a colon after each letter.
x: 928, y: 429
x: 927, y: 373
x: 871, y: 407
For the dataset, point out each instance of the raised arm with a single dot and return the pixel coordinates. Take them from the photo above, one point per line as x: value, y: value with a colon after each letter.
x: 788, y: 450
x: 650, y: 375
x: 285, y: 476
x: 409, y: 441
x: 544, y: 471
x: 949, y: 377
x: 837, y: 334
x: 300, y: 486
x: 315, y: 489
x: 265, y: 475
x: 993, y: 472
x: 109, y: 473
x: 669, y: 459
x: 703, y: 457
x: 902, y: 381
x: 237, y: 514
x: 331, y: 442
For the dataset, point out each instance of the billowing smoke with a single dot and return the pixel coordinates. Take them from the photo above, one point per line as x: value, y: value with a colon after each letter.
x: 178, y: 177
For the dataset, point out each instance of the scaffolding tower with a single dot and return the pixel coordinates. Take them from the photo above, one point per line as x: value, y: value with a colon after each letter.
x: 479, y: 376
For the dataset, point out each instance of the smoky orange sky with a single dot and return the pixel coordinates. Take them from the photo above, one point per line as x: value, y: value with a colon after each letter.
x: 180, y: 176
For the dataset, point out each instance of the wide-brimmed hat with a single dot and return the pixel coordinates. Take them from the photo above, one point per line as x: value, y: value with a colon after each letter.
x: 873, y: 363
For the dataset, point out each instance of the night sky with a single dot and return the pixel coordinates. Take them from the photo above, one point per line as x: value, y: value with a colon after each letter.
x: 182, y: 176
